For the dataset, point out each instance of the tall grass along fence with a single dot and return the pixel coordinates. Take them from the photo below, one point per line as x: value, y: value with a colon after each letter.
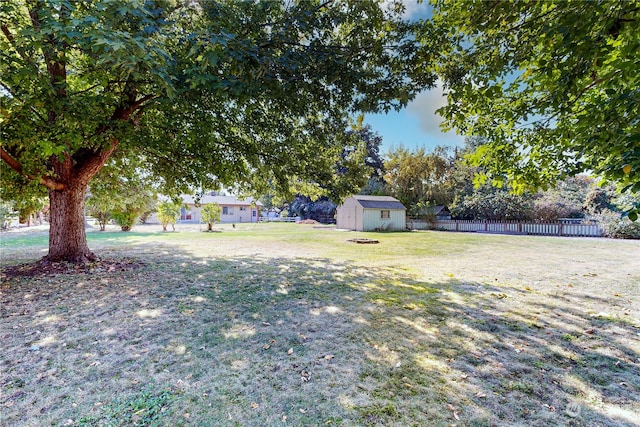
x: 555, y: 228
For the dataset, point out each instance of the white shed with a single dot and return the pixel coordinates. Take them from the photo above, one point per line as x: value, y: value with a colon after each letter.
x: 371, y: 213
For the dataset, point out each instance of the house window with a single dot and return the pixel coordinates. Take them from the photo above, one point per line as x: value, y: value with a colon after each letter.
x: 385, y: 214
x: 254, y: 213
x: 243, y: 208
x: 185, y: 214
x: 227, y: 210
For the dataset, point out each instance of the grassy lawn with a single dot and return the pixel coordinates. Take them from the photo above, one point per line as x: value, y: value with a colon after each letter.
x: 291, y: 325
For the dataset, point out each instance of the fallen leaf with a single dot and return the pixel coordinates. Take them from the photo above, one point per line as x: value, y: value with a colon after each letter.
x: 254, y: 405
x: 266, y: 347
x: 455, y: 415
x: 302, y: 411
x: 329, y: 357
x: 464, y: 376
x: 480, y: 394
x: 451, y: 407
x: 290, y: 351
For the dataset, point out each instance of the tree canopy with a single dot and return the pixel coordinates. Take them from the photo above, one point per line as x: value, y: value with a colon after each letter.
x: 419, y: 177
x: 552, y: 85
x: 240, y: 94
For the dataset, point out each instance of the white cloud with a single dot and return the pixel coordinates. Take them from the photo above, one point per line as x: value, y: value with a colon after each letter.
x: 424, y: 107
x: 413, y: 8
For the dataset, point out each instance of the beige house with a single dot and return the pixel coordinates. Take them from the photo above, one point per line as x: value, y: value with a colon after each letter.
x: 371, y: 213
x: 232, y: 209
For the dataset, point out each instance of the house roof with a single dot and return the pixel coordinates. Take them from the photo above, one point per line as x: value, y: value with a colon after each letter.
x: 221, y: 200
x: 379, y: 202
x: 442, y: 210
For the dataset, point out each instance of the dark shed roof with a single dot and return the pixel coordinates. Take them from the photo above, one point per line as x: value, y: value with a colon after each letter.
x: 442, y: 210
x: 379, y: 202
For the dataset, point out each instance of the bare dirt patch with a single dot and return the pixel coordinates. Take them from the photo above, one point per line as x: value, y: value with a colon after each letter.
x: 47, y: 268
x: 364, y: 241
x: 308, y: 221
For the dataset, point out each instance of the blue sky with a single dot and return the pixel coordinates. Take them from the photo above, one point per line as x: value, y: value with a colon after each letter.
x: 417, y: 125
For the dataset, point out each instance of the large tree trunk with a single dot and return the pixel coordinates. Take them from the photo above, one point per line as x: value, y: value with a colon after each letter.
x: 67, y: 236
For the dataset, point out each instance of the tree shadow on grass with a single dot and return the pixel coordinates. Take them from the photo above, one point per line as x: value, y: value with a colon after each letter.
x: 305, y: 341
x: 543, y: 362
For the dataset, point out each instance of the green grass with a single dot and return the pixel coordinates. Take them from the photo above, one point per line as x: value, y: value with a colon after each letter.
x: 145, y: 408
x: 285, y: 324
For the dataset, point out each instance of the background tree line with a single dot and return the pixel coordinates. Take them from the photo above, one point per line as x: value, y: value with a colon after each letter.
x: 423, y: 179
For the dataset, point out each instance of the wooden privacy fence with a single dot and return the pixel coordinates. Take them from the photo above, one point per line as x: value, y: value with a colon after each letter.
x: 556, y: 228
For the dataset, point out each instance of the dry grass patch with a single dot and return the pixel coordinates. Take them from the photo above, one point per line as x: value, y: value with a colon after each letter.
x: 308, y: 329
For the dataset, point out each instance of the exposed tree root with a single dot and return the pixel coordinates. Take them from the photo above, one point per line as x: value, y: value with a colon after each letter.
x: 87, y: 257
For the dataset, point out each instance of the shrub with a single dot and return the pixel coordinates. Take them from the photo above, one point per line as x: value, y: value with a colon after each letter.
x: 211, y: 214
x: 149, y: 209
x: 599, y: 200
x: 618, y: 227
x: 6, y: 212
x: 425, y: 211
x: 103, y: 217
x: 168, y: 213
x: 27, y: 207
x: 552, y: 206
x: 497, y: 205
x: 126, y: 217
